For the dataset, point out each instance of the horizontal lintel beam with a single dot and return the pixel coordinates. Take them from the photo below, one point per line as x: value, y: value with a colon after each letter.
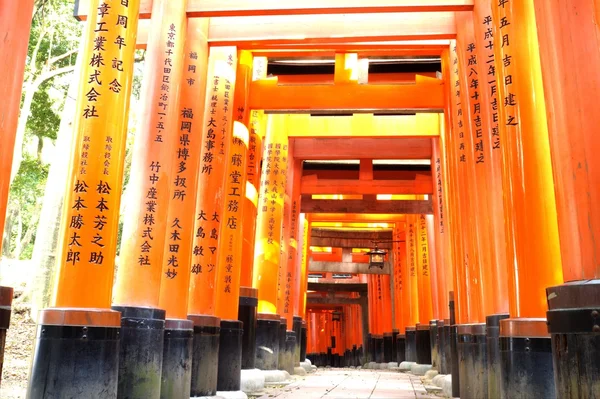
x: 333, y: 301
x: 346, y: 267
x: 406, y: 207
x: 422, y: 185
x: 359, y: 147
x: 344, y: 287
x: 422, y: 96
x: 220, y: 8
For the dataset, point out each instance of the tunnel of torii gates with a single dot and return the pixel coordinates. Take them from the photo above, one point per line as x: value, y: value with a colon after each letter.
x: 280, y: 141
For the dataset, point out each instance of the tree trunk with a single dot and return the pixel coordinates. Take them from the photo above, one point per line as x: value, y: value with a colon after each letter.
x: 46, y: 244
x: 18, y: 247
x: 29, y: 91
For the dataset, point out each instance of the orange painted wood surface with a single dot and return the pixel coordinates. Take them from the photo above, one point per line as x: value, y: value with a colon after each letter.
x: 15, y: 22
x: 88, y: 233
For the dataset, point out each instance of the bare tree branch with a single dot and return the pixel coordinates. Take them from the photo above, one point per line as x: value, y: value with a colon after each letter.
x: 53, y: 60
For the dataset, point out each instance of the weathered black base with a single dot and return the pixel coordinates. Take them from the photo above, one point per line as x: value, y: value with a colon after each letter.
x: 205, y: 357
x: 303, y: 332
x: 288, y: 353
x: 574, y: 325
x: 423, y: 344
x: 141, y: 352
x: 282, y: 337
x: 527, y: 370
x: 447, y: 348
x: 230, y: 355
x: 247, y: 315
x: 472, y: 352
x: 401, y: 348
x: 493, y: 354
x: 6, y: 297
x: 441, y: 349
x: 177, y: 359
x: 75, y: 362
x: 411, y: 344
x: 388, y: 347
x: 394, y: 345
x: 297, y: 328
x: 379, y: 357
x: 433, y: 343
x: 454, y: 361
x: 267, y: 341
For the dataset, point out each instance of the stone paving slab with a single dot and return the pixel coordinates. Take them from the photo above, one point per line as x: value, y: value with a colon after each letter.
x: 352, y: 384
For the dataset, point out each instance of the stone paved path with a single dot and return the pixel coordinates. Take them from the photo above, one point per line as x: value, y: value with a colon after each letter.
x: 349, y: 383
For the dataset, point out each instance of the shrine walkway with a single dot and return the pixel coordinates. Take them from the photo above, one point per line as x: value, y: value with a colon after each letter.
x: 349, y: 383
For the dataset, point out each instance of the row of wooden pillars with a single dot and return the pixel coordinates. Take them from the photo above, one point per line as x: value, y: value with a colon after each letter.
x: 516, y: 193
x: 188, y: 271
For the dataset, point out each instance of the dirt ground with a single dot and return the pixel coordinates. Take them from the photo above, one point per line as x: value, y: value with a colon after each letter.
x: 17, y: 354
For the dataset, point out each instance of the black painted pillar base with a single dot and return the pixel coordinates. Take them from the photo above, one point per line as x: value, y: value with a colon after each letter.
x: 433, y: 343
x: 76, y: 360
x: 411, y: 344
x: 492, y: 329
x: 526, y: 359
x: 355, y: 358
x: 288, y: 354
x: 247, y: 315
x: 453, y: 337
x: 267, y: 341
x: 472, y: 349
x: 441, y: 347
x: 379, y: 349
x: 141, y: 351
x: 423, y: 344
x: 303, y: 333
x: 297, y: 328
x: 176, y: 376
x: 205, y: 358
x: 401, y: 348
x: 574, y: 325
x: 394, y: 345
x: 329, y: 361
x: 230, y: 356
x: 6, y: 297
x: 388, y: 346
x: 282, y: 338
x: 370, y: 348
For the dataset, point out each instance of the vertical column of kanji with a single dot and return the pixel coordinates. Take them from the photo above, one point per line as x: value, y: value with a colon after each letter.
x: 493, y: 165
x: 457, y: 298
x: 268, y: 240
x: 525, y: 145
x: 568, y: 34
x: 185, y: 158
x: 440, y: 210
x: 137, y: 287
x: 294, y: 265
x: 478, y: 120
x: 249, y: 295
x: 302, y: 256
x: 90, y: 216
x: 216, y: 129
x: 469, y: 305
x: 412, y: 299
x: 423, y: 272
x: 229, y: 256
x: 15, y: 21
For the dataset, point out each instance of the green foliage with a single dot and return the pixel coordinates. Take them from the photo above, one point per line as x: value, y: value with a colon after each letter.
x: 44, y: 122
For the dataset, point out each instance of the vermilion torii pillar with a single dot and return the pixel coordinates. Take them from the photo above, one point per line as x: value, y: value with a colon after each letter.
x: 268, y: 242
x: 81, y: 332
x: 423, y: 334
x: 229, y: 258
x: 530, y: 192
x: 175, y: 278
x: 570, y: 57
x: 137, y: 287
x: 15, y: 22
x: 217, y: 122
x: 411, y: 299
x: 247, y: 311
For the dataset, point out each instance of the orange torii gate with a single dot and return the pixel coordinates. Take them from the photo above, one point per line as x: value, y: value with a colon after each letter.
x: 513, y: 196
